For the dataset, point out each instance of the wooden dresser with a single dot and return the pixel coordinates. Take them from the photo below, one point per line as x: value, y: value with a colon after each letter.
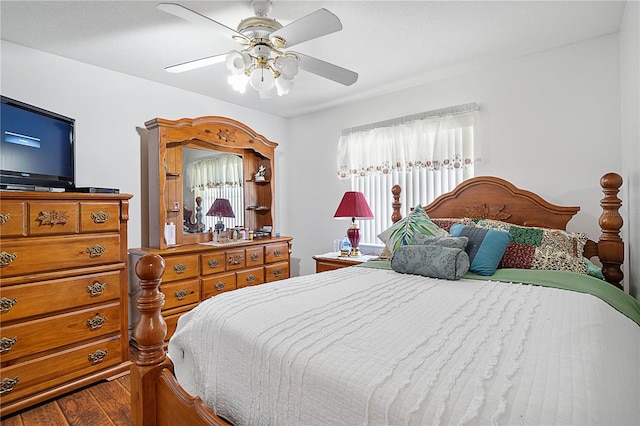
x: 198, y: 271
x: 63, y: 283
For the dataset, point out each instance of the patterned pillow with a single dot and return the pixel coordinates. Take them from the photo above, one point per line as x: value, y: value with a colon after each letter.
x: 409, y: 230
x: 450, y: 241
x: 540, y: 248
x: 485, y: 247
x: 431, y: 261
x: 445, y: 223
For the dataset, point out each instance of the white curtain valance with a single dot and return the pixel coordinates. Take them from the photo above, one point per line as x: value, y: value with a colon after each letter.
x: 222, y: 170
x: 433, y: 140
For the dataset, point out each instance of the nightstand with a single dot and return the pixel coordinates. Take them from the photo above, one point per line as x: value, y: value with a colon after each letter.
x: 330, y: 261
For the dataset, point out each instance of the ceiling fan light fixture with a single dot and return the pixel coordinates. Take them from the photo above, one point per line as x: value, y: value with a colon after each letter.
x: 238, y: 82
x: 288, y: 66
x: 235, y: 62
x: 283, y: 86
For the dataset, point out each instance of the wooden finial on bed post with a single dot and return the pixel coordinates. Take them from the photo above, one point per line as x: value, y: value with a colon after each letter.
x: 610, y: 245
x: 396, y: 204
x: 151, y: 329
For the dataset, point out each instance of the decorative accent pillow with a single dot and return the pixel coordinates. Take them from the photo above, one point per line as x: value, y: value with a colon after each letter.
x: 485, y: 247
x: 445, y: 223
x: 410, y: 229
x: 430, y: 261
x: 540, y: 248
x: 452, y: 242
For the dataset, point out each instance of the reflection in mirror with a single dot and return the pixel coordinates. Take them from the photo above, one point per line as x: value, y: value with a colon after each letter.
x: 209, y: 175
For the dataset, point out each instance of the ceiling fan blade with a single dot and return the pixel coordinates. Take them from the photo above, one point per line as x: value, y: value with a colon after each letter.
x: 195, y: 17
x: 327, y: 70
x: 197, y: 63
x: 316, y: 24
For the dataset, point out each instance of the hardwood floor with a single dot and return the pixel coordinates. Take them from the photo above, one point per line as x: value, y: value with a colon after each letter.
x: 104, y: 403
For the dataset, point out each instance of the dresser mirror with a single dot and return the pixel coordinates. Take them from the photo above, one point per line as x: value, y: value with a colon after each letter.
x: 175, y: 145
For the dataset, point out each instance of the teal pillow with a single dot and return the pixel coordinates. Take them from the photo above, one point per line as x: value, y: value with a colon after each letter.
x: 411, y: 229
x: 485, y: 247
x: 593, y: 269
x: 431, y: 261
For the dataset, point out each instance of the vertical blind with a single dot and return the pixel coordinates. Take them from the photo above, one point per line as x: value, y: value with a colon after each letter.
x: 426, y: 154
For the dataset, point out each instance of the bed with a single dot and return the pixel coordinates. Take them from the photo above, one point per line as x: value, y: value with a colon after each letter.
x: 370, y: 345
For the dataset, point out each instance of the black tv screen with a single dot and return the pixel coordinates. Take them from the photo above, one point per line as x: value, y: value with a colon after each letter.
x: 37, y: 148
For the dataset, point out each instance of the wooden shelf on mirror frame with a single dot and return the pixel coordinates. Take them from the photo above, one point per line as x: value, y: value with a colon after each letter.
x: 259, y: 208
x: 259, y: 182
x: 172, y: 174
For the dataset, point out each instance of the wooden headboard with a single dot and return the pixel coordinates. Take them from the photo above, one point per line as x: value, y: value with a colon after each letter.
x: 489, y: 197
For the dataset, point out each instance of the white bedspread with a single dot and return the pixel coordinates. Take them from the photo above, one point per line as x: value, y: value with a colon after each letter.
x: 367, y: 346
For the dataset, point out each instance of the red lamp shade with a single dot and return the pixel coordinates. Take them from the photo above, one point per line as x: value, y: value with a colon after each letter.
x: 355, y: 206
x: 221, y: 207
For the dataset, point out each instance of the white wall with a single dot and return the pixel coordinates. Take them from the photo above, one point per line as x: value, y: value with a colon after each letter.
x: 550, y: 124
x: 630, y: 90
x: 110, y: 110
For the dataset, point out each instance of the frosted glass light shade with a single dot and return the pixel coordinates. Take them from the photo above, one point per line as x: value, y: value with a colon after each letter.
x: 262, y: 79
x: 235, y: 62
x: 288, y: 67
x: 238, y: 82
x: 283, y: 86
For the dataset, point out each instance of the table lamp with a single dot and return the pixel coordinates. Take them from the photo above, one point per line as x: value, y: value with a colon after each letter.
x: 355, y: 206
x: 221, y: 207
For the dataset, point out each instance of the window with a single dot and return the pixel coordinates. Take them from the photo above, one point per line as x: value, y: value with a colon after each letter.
x: 216, y: 177
x: 426, y: 154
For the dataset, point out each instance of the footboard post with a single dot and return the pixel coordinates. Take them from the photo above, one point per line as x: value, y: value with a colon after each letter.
x: 610, y: 245
x: 149, y: 333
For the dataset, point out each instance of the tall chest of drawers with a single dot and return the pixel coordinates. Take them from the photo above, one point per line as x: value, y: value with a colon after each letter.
x: 63, y: 293
x: 197, y: 272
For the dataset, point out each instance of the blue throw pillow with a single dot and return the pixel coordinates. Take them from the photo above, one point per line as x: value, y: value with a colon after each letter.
x: 485, y: 247
x: 431, y: 261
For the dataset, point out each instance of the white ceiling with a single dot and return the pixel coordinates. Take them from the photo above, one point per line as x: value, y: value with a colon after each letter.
x: 390, y: 44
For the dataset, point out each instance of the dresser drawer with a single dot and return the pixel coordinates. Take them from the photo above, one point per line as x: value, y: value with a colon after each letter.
x: 249, y: 277
x: 180, y: 293
x: 26, y: 300
x: 218, y: 284
x: 235, y: 259
x: 38, y: 374
x: 12, y: 218
x: 32, y: 255
x: 49, y: 218
x: 212, y: 263
x: 31, y: 337
x: 276, y: 252
x: 276, y: 271
x: 180, y: 267
x: 254, y: 256
x: 99, y: 216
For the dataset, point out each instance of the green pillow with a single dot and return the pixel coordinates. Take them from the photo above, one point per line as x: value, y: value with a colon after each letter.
x: 411, y: 229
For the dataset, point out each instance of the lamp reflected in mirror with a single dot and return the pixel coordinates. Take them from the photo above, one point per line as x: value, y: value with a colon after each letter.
x: 220, y: 208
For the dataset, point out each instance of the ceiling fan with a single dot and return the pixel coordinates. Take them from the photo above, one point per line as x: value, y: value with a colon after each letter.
x: 261, y: 61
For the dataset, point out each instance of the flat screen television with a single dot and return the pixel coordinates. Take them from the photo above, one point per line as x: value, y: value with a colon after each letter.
x: 37, y: 149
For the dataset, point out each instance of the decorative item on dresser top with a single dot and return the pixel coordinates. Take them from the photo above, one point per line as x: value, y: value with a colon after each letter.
x: 369, y: 344
x: 63, y: 283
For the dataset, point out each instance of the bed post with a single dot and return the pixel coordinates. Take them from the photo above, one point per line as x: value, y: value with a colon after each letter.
x: 396, y: 204
x: 610, y: 245
x: 150, y: 356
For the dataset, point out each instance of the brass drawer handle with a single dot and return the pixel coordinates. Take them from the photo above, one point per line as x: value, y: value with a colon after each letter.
x: 213, y: 263
x: 52, y: 218
x: 96, y: 251
x: 255, y: 256
x: 7, y: 304
x: 8, y: 384
x: 4, y: 218
x: 251, y: 278
x: 219, y: 285
x: 180, y: 268
x: 276, y: 253
x: 6, y: 344
x: 277, y: 272
x: 181, y: 294
x: 96, y: 289
x: 96, y: 322
x: 7, y: 259
x: 97, y: 357
x: 236, y: 259
x: 100, y: 217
